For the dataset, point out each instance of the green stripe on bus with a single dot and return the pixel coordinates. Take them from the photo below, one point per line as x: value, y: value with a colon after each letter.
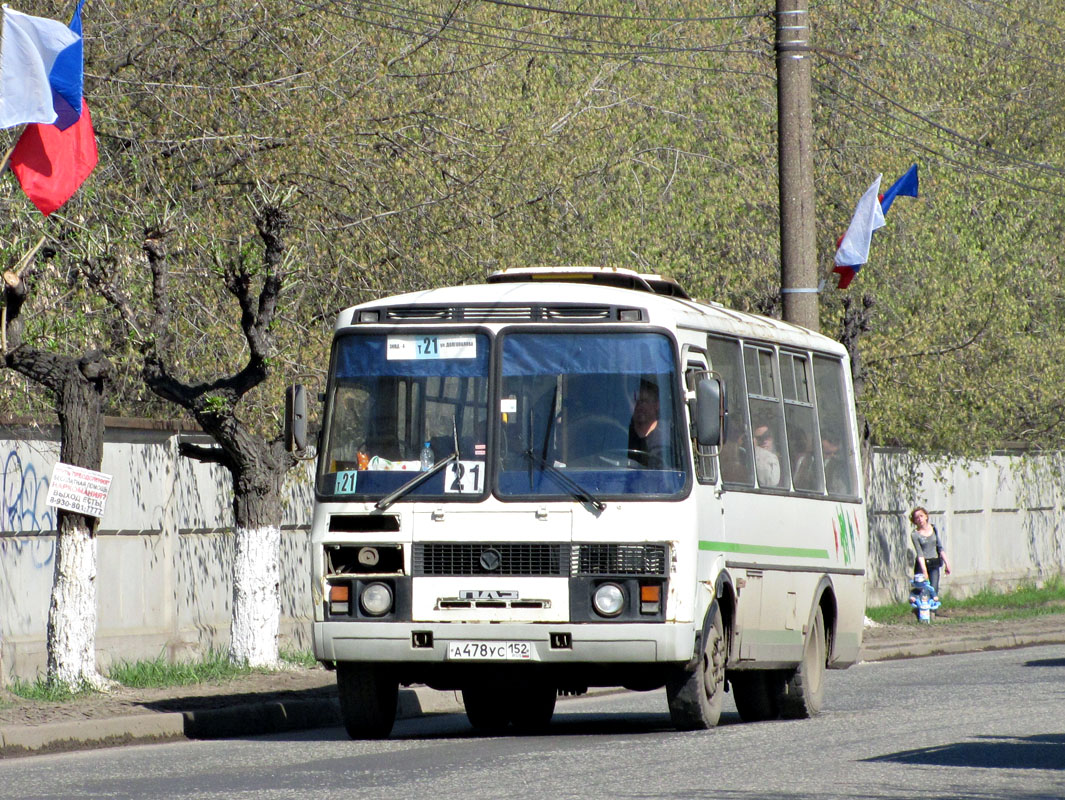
x: 764, y: 550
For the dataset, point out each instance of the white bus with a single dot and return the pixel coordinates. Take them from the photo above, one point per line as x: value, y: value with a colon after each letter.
x: 628, y: 488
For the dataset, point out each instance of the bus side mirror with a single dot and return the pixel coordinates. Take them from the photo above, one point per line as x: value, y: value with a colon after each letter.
x: 296, y: 418
x: 709, y: 412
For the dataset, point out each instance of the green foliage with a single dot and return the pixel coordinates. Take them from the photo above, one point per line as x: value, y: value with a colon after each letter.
x: 1027, y: 600
x: 299, y: 658
x: 419, y: 150
x: 41, y: 690
x: 160, y: 672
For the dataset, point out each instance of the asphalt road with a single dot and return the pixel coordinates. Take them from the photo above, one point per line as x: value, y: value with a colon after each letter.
x: 985, y: 725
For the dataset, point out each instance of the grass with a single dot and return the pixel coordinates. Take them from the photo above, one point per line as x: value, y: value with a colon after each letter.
x: 1027, y: 600
x: 44, y: 692
x: 157, y: 673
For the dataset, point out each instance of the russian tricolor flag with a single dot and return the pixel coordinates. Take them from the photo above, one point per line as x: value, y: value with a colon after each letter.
x: 41, y: 83
x: 853, y: 247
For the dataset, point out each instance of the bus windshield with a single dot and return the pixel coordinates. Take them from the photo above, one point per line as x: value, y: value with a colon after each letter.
x: 589, y: 412
x: 390, y: 395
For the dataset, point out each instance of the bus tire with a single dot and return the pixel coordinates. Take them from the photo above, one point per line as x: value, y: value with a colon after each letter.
x: 804, y: 691
x: 367, y: 700
x: 487, y: 708
x: 695, y: 696
x: 757, y: 694
x: 532, y: 709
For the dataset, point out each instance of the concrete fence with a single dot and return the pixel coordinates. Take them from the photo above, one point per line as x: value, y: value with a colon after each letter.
x: 165, y: 544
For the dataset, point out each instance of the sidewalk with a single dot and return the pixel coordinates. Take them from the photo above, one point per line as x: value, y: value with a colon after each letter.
x: 190, y: 714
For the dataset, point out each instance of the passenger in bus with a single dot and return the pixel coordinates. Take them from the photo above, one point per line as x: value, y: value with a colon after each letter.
x: 803, y: 464
x: 837, y: 473
x: 766, y: 460
x: 646, y: 437
x: 735, y: 454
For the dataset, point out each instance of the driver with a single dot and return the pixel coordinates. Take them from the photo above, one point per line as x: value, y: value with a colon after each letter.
x: 646, y: 437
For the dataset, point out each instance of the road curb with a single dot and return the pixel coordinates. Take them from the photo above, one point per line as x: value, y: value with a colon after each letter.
x: 252, y: 719
x: 257, y: 719
x: 962, y: 644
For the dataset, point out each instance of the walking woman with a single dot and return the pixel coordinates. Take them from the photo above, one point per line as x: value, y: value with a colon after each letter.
x: 930, y: 553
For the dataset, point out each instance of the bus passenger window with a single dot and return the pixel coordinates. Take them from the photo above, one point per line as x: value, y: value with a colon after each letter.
x: 767, y: 420
x: 806, y: 472
x: 736, y: 455
x: 835, y: 427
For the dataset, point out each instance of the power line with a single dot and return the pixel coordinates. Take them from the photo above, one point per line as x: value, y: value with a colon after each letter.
x: 512, y: 46
x: 970, y: 34
x: 617, y: 18
x: 943, y: 128
x: 877, y: 117
x: 510, y: 34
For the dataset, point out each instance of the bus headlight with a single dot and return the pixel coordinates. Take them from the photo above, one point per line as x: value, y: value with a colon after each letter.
x: 376, y: 599
x: 609, y: 600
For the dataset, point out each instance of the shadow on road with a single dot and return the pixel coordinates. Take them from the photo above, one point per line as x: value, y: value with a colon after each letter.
x: 1044, y: 751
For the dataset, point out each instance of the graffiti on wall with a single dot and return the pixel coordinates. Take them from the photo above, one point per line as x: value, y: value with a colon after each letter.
x: 23, y: 492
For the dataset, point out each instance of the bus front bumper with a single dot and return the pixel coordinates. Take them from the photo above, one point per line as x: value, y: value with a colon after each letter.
x: 404, y: 642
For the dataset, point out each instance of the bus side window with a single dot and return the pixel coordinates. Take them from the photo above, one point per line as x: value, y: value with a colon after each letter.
x: 735, y: 455
x: 806, y: 472
x: 767, y: 418
x: 835, y: 427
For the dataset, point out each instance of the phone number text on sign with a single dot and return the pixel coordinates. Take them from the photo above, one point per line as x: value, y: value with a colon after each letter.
x: 77, y: 489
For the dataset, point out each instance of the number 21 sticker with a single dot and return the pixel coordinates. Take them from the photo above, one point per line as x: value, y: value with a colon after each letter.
x: 464, y: 477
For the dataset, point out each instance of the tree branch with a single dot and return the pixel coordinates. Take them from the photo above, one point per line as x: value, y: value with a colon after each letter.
x: 205, y: 454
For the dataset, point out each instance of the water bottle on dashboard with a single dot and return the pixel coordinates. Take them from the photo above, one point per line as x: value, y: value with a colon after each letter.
x: 428, y: 459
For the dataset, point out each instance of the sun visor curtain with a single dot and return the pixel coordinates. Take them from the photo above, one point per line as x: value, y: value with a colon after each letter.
x: 361, y: 355
x: 582, y: 353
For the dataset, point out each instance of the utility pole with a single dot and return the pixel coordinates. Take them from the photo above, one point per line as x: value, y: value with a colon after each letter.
x: 798, y: 251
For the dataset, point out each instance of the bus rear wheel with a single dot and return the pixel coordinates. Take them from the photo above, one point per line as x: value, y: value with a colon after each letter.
x: 367, y: 700
x: 533, y: 708
x: 695, y: 696
x: 757, y: 694
x: 528, y: 707
x: 804, y: 692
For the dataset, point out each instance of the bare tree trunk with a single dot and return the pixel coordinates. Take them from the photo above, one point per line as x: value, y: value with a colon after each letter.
x: 256, y: 619
x: 78, y: 386
x: 72, y: 610
x: 257, y: 464
x: 256, y: 596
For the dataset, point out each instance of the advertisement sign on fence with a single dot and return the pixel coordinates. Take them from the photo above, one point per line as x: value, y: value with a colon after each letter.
x: 78, y: 489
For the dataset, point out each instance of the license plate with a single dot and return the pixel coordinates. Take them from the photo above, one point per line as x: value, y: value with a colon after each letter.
x: 490, y: 651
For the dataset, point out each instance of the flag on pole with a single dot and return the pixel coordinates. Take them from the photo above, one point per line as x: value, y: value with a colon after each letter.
x: 35, y: 68
x: 52, y: 161
x: 905, y: 186
x: 853, y: 247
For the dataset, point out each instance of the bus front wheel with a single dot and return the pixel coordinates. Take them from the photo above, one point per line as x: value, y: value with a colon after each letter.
x: 804, y: 692
x: 367, y: 700
x: 695, y: 696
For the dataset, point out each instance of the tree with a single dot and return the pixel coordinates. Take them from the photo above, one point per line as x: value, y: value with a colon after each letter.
x: 256, y: 464
x: 77, y: 385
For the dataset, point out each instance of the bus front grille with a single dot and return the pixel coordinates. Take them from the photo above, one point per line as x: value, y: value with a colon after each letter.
x: 619, y: 559
x: 549, y: 559
x: 505, y: 558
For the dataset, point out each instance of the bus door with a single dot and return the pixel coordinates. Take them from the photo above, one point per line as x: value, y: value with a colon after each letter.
x: 708, y: 517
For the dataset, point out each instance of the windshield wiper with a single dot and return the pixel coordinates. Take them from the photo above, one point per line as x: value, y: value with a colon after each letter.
x: 422, y: 477
x: 414, y: 483
x: 575, y: 489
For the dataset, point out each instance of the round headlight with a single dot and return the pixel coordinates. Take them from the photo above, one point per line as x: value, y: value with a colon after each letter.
x: 376, y: 599
x: 609, y: 600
